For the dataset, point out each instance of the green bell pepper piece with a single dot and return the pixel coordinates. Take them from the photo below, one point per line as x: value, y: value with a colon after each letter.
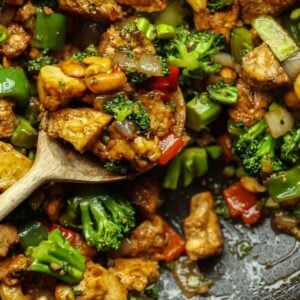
x: 285, y: 185
x: 173, y: 173
x: 241, y: 43
x: 24, y: 135
x: 49, y: 31
x: 201, y: 111
x: 14, y: 84
x: 214, y: 151
x: 32, y: 234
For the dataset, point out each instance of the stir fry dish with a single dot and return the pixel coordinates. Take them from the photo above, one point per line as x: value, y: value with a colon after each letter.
x: 102, y: 77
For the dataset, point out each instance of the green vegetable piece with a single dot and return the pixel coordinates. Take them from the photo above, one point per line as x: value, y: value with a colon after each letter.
x: 201, y: 111
x: 241, y: 43
x: 133, y: 110
x: 49, y: 31
x: 56, y: 257
x: 3, y: 34
x: 215, y: 5
x: 172, y: 176
x: 295, y: 14
x: 284, y: 185
x: 146, y: 28
x: 214, y: 151
x: 274, y: 35
x: 14, y: 84
x: 165, y: 31
x: 116, y: 166
x: 235, y: 129
x: 224, y: 93
x: 32, y: 234
x: 35, y: 65
x: 24, y: 135
x: 192, y: 51
x: 103, y: 217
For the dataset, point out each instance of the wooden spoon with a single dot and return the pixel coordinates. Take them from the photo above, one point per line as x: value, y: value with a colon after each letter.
x: 56, y: 162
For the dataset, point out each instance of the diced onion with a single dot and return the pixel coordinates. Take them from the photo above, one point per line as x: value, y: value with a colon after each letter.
x: 224, y: 59
x: 292, y: 66
x: 150, y: 65
x: 126, y: 128
x: 147, y: 63
x: 279, y: 121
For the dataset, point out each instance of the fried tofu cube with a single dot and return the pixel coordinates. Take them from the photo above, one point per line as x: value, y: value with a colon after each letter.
x: 56, y: 89
x: 197, y: 5
x: 13, y: 166
x: 202, y: 229
x: 8, y: 119
x: 135, y: 273
x: 79, y: 126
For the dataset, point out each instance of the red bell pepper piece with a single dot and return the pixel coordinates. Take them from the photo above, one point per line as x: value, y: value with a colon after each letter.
x: 242, y: 203
x: 170, y: 146
x: 168, y: 83
x: 226, y: 144
x: 175, y: 246
x: 66, y: 233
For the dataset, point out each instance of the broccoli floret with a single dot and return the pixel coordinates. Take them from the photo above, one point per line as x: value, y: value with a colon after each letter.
x: 89, y: 51
x: 103, y: 217
x: 215, y: 5
x: 35, y: 65
x: 56, y: 257
x: 192, y: 51
x: 247, y: 143
x: 105, y: 220
x: 123, y: 108
x: 290, y: 149
x: 136, y: 77
x: 264, y: 159
x: 223, y: 93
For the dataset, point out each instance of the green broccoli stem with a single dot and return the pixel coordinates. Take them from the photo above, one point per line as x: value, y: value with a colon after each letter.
x: 201, y: 111
x: 56, y: 257
x: 256, y: 130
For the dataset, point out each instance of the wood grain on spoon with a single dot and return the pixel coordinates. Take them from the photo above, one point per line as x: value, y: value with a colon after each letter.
x: 55, y: 162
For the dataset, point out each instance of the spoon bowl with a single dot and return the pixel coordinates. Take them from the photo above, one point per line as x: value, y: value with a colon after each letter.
x: 56, y: 162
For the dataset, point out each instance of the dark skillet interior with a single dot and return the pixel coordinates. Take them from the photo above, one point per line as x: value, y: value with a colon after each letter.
x: 270, y: 271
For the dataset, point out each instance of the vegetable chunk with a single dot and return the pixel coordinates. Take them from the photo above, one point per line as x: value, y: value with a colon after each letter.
x: 7, y: 118
x: 80, y: 127
x: 14, y: 165
x: 202, y: 229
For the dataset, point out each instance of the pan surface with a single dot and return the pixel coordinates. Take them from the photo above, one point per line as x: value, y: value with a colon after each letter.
x: 270, y: 271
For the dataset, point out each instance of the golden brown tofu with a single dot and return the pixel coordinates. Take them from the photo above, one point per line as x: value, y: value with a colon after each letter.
x: 261, y: 70
x: 202, y: 229
x: 100, y: 284
x: 79, y: 126
x: 8, y: 237
x: 7, y: 118
x: 94, y: 9
x: 64, y: 292
x: 220, y: 22
x: 251, y: 104
x: 146, y: 5
x: 56, y: 89
x: 114, y: 39
x: 12, y: 293
x: 13, y: 166
x: 147, y: 240
x: 26, y: 12
x: 17, y: 41
x: 134, y: 273
x: 162, y: 116
x: 254, y: 8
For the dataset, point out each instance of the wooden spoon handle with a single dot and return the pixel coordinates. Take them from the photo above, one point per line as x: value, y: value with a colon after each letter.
x: 18, y: 192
